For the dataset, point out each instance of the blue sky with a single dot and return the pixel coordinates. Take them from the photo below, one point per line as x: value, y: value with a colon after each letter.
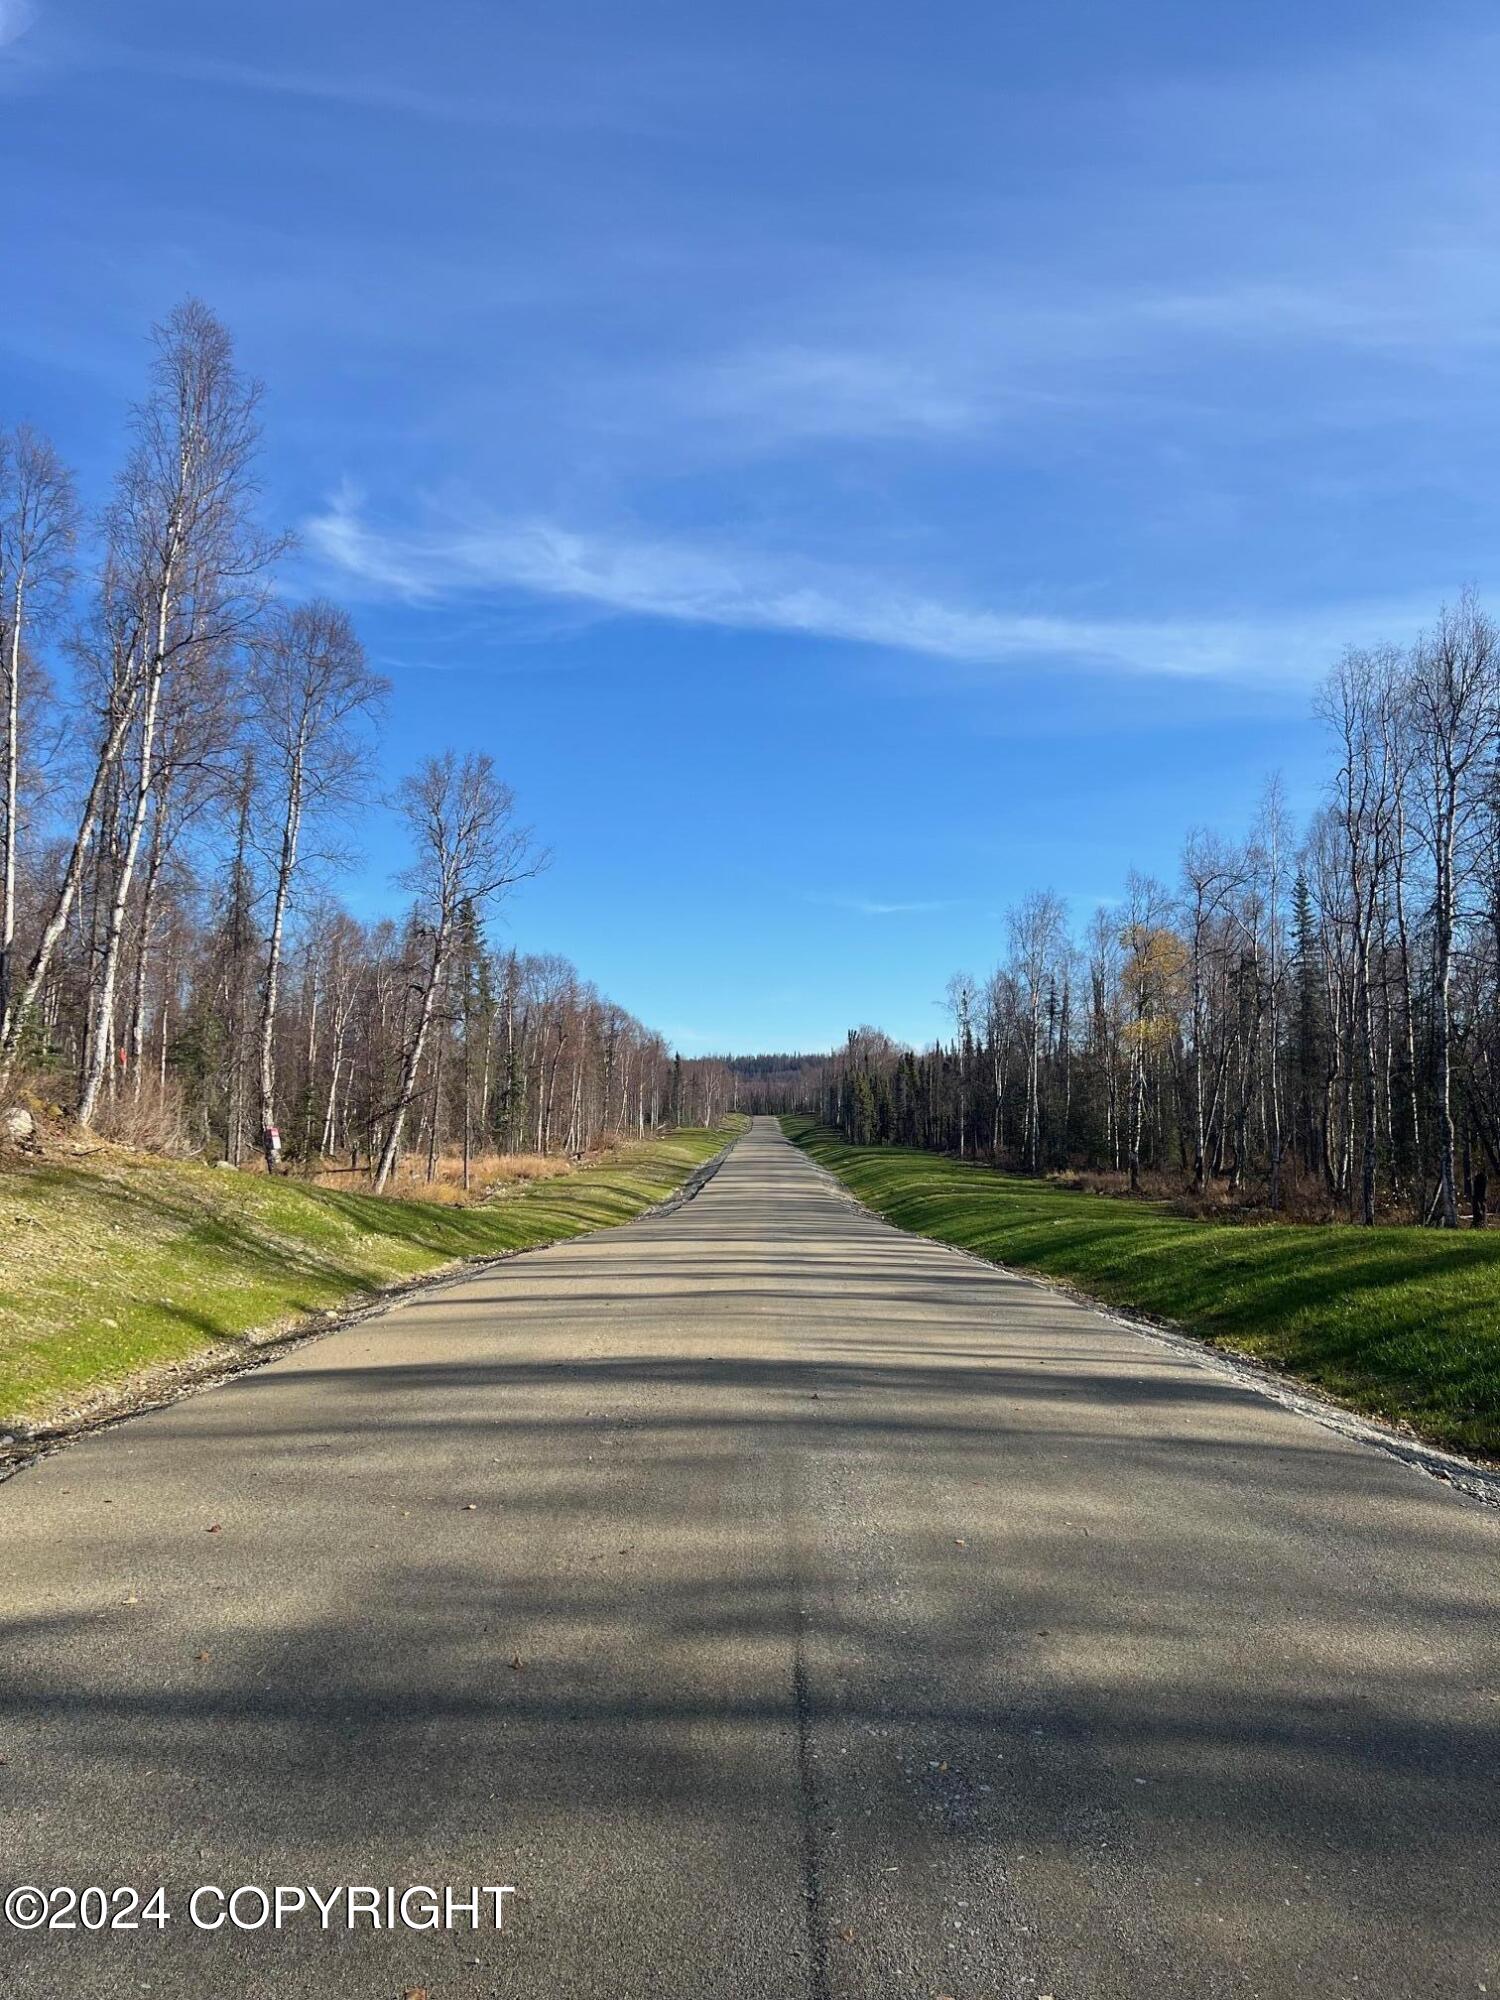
x: 850, y: 463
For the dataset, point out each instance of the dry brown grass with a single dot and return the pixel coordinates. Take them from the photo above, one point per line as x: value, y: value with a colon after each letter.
x: 1301, y: 1200
x: 153, y: 1122
x: 491, y: 1175
x: 154, y: 1126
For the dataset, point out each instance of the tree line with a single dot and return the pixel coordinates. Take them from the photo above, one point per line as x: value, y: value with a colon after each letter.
x: 1308, y: 1015
x: 175, y: 801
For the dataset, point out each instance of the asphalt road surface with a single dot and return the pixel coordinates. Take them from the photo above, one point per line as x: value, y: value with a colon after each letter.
x: 784, y: 1607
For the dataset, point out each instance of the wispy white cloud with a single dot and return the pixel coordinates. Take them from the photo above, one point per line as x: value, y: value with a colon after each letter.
x: 864, y: 906
x: 752, y: 589
x: 966, y: 360
x: 628, y: 96
x: 812, y: 391
x: 371, y: 93
x: 16, y: 16
x: 1312, y: 231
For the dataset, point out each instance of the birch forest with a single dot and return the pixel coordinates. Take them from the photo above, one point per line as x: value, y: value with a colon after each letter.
x: 1305, y: 1020
x: 184, y: 754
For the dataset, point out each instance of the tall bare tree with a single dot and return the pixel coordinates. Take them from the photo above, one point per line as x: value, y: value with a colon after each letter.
x: 1270, y: 851
x: 38, y: 532
x: 311, y: 695
x: 1355, y: 702
x: 110, y: 672
x: 468, y: 850
x: 1035, y: 934
x: 1452, y: 692
x: 963, y: 1002
x: 192, y: 568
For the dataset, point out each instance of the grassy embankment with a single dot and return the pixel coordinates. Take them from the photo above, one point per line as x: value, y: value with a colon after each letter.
x: 1402, y: 1324
x: 122, y: 1263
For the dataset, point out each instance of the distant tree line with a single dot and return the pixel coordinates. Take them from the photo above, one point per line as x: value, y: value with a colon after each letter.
x: 173, y: 964
x: 1309, y: 1012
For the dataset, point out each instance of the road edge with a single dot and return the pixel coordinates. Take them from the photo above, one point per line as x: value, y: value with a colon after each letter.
x: 1470, y: 1477
x: 178, y: 1382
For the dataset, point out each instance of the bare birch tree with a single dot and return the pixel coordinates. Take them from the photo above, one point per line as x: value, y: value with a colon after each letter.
x: 38, y: 532
x: 469, y: 850
x: 1452, y: 692
x: 1355, y: 701
x: 189, y: 566
x: 963, y: 1001
x: 1035, y: 935
x: 117, y: 688
x: 311, y: 693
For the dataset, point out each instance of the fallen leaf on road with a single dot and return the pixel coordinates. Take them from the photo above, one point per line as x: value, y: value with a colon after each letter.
x: 516, y: 1663
x: 846, y: 1935
x: 414, y: 1993
x: 203, y: 1656
x: 216, y: 1529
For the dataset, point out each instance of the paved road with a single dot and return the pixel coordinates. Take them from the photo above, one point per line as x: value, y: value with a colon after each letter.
x: 887, y: 1627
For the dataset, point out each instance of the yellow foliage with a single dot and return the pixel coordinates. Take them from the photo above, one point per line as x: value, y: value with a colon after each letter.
x: 1156, y: 972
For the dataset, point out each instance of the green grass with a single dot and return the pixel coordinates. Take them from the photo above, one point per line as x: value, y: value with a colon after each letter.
x: 108, y: 1269
x: 1402, y: 1324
